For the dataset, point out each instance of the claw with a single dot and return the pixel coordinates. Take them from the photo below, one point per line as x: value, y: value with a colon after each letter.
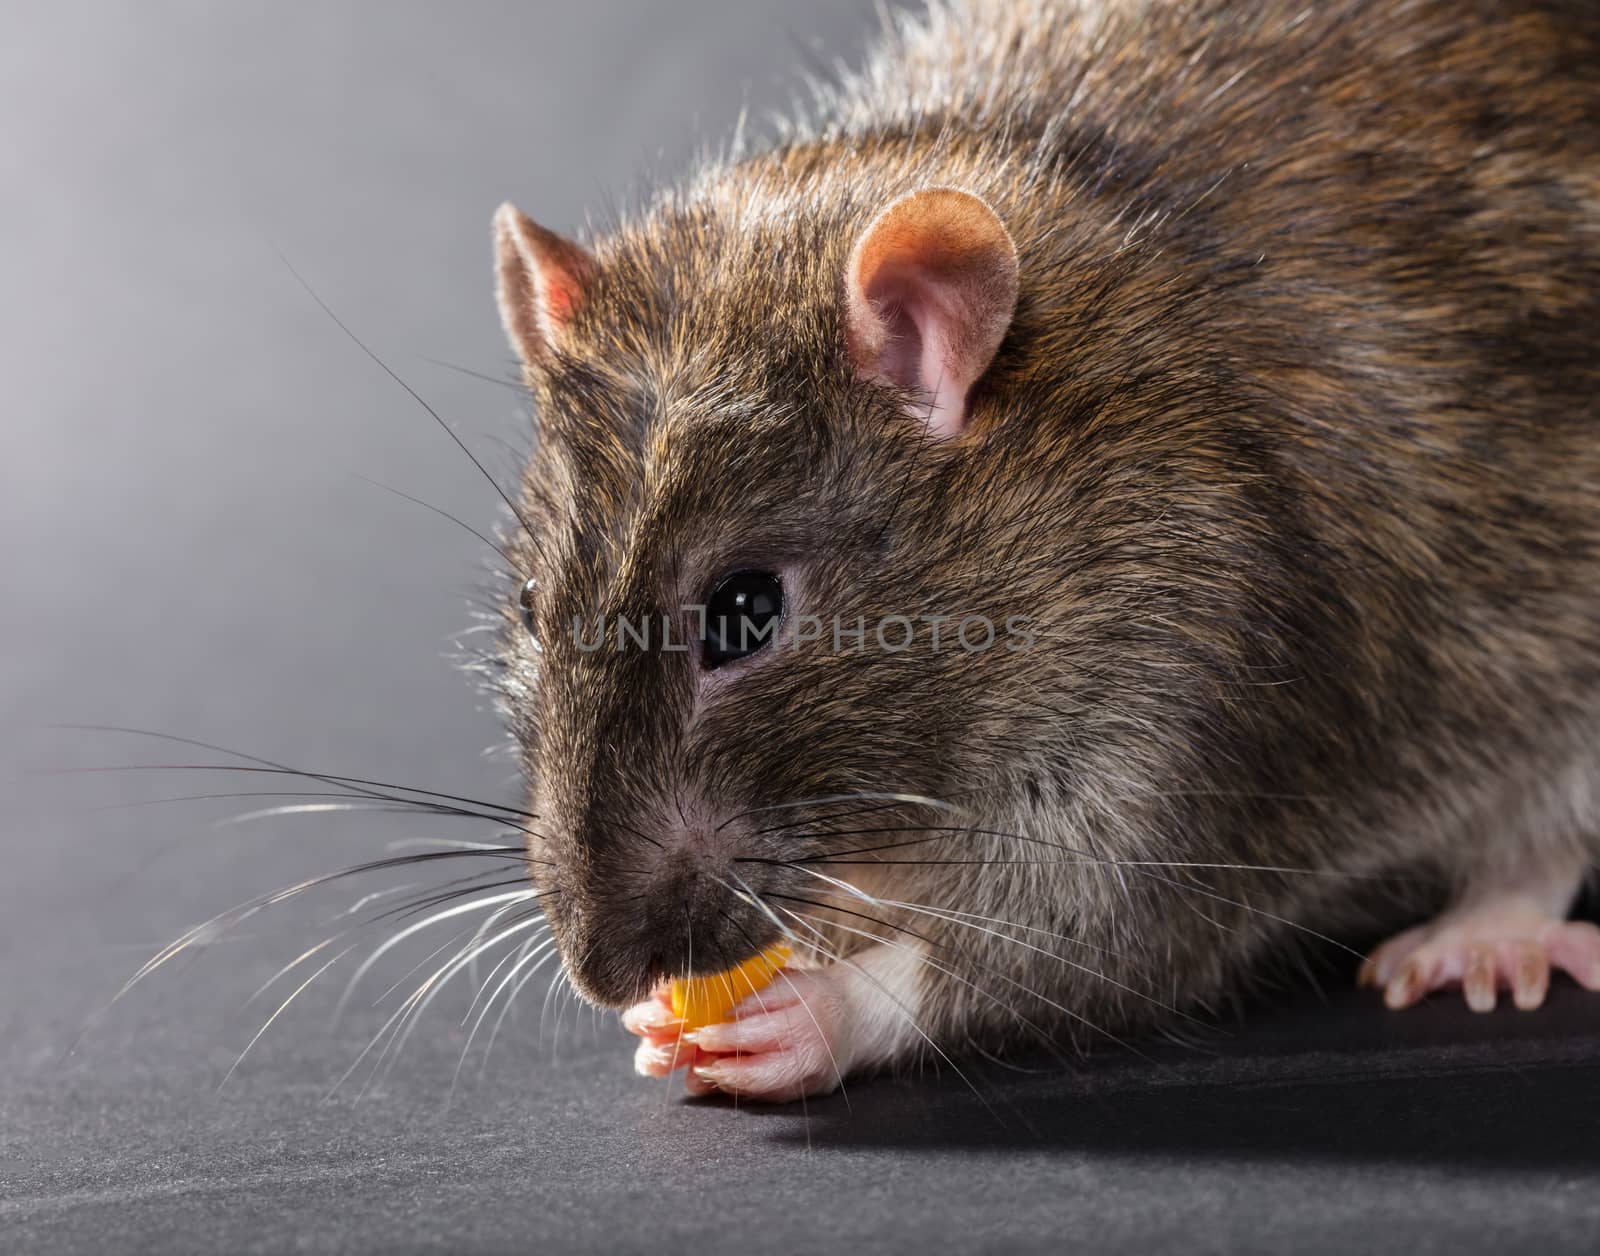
x: 1477, y: 982
x: 1408, y: 986
x: 1530, y: 976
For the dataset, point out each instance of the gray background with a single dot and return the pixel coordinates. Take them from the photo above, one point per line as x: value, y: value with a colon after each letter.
x: 188, y: 549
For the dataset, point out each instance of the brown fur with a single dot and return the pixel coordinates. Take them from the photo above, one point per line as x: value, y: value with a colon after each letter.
x: 1291, y: 454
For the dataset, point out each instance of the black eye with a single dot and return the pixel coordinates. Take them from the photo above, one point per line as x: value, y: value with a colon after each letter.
x: 525, y: 601
x: 742, y: 615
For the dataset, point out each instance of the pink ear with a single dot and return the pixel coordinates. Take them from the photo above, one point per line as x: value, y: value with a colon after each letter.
x: 542, y: 280
x: 930, y: 289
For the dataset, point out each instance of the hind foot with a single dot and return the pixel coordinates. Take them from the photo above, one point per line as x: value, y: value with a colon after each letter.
x: 1493, y: 941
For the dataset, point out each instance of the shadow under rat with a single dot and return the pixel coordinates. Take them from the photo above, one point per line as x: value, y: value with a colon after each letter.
x: 1312, y: 1081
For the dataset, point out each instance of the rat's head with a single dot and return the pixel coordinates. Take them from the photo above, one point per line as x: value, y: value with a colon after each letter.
x: 791, y: 560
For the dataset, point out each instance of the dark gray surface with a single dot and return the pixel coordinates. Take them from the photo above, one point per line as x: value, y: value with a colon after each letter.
x: 1335, y: 1130
x: 188, y: 549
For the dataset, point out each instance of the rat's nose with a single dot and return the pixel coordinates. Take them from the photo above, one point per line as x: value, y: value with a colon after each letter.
x: 655, y: 902
x: 689, y: 881
x: 687, y: 855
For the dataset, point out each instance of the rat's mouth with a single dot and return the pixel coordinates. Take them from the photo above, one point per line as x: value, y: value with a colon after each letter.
x: 654, y: 894
x: 615, y: 959
x: 688, y: 901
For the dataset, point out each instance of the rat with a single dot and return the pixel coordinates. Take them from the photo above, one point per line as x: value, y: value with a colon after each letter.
x: 1108, y: 495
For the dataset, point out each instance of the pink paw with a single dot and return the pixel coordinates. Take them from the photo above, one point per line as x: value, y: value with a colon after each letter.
x: 1484, y: 951
x: 664, y: 1049
x: 783, y: 1043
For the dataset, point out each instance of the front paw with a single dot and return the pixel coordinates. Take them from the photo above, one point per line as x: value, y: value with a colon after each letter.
x: 785, y: 1042
x: 665, y: 1049
x: 781, y: 1044
x: 803, y: 1034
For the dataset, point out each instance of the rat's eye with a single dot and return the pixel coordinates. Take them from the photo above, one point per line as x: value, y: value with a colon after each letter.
x: 525, y: 601
x: 742, y: 615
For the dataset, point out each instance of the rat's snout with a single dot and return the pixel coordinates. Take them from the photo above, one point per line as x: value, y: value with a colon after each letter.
x: 655, y: 902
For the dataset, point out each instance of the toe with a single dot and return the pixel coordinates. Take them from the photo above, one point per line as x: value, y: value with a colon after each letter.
x: 771, y: 1076
x: 1378, y: 968
x: 1530, y: 975
x: 694, y: 1083
x: 657, y: 1059
x: 1386, y: 961
x: 1478, y: 979
x: 1372, y: 971
x: 1575, y: 949
x: 763, y: 1032
x: 788, y: 989
x: 1495, y: 944
x: 652, y: 1019
x: 1408, y: 985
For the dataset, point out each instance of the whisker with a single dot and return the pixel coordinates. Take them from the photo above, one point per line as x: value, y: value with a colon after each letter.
x: 1034, y: 863
x: 834, y: 907
x: 920, y: 800
x: 404, y: 843
x: 295, y: 994
x: 1259, y: 911
x: 328, y: 941
x: 993, y: 920
x: 628, y: 828
x: 854, y: 812
x: 518, y: 957
x: 292, y: 965
x: 1141, y: 868
x: 956, y: 918
x: 263, y: 765
x: 454, y: 939
x: 422, y: 806
x: 374, y: 895
x: 755, y: 900
x: 415, y: 396
x: 224, y: 921
x: 993, y: 972
x: 481, y: 375
x: 934, y: 833
x: 315, y: 808
x: 483, y: 986
x: 833, y: 1061
x: 909, y: 1019
x: 505, y: 1007
x: 449, y: 896
x: 411, y: 930
x: 1045, y: 1037
x: 417, y: 501
x: 405, y: 1018
x: 544, y: 1007
x: 231, y: 794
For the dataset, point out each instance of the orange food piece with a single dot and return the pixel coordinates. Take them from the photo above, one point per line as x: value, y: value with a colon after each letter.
x: 701, y: 1001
